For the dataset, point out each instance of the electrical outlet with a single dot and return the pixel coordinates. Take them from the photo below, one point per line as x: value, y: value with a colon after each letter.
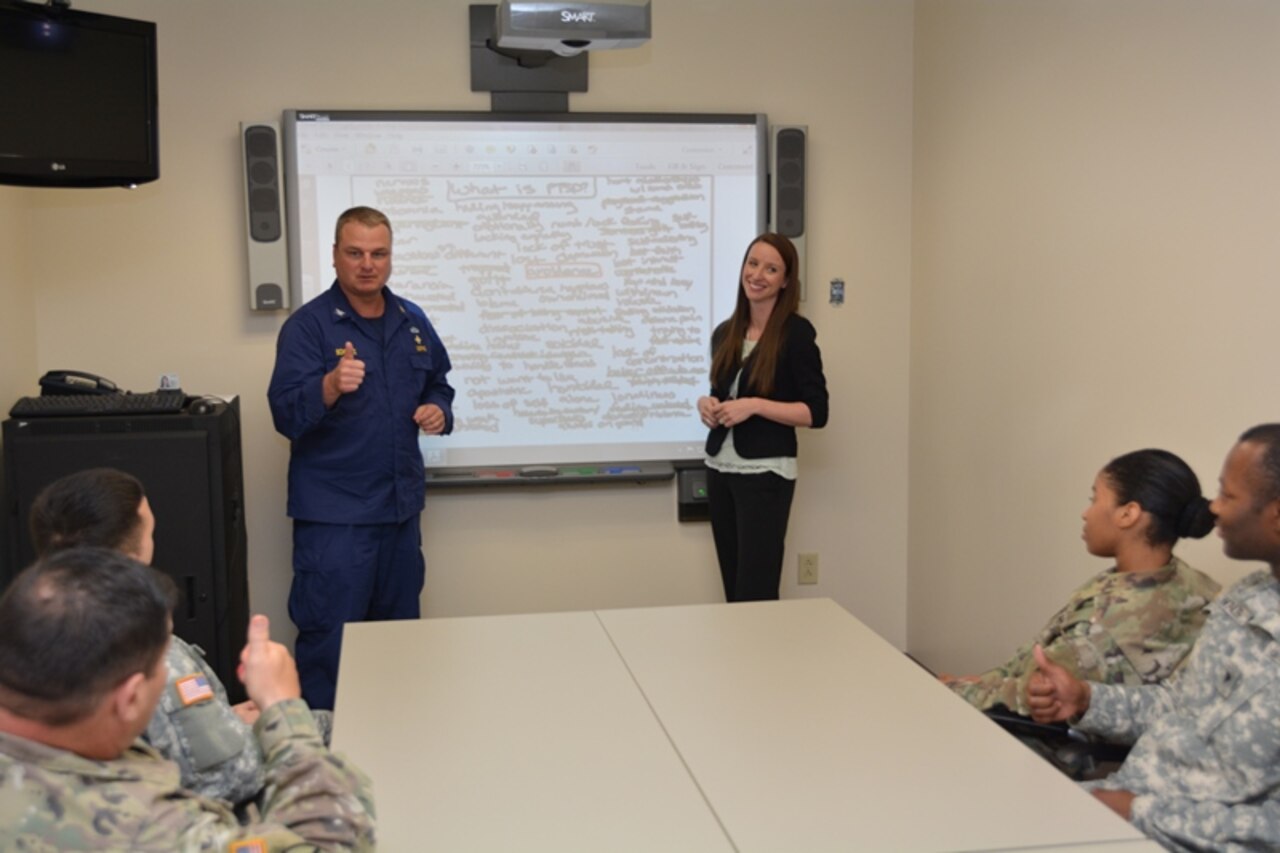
x: 808, y: 569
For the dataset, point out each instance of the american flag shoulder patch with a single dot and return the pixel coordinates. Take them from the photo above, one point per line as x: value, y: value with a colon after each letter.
x: 192, y: 689
x: 248, y: 845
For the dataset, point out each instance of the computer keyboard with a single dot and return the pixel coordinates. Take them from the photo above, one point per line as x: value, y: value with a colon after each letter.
x: 163, y: 402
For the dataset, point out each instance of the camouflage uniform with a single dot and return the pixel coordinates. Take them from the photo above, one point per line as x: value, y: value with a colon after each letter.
x: 51, y: 799
x: 1119, y: 628
x: 324, y: 722
x: 194, y: 727
x: 1206, y: 764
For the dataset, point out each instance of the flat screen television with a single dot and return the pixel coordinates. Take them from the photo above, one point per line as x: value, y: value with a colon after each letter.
x: 574, y: 264
x: 77, y: 98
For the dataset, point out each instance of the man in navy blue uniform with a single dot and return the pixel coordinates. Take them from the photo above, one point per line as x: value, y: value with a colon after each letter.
x: 359, y: 373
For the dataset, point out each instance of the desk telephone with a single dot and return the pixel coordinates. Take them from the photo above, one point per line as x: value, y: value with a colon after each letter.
x: 74, y: 393
x: 75, y: 382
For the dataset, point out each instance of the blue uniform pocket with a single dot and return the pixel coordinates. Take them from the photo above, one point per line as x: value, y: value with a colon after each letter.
x: 422, y: 361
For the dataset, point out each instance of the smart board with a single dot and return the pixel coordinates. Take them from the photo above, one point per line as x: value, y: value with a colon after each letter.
x: 573, y: 264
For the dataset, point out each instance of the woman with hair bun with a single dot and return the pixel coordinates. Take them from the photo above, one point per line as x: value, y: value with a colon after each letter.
x: 1135, y: 622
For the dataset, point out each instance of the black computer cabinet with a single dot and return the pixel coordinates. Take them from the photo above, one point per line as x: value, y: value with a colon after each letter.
x: 190, y: 466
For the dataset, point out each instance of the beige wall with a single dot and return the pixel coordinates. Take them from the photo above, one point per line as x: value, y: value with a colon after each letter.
x: 1055, y: 220
x: 135, y: 284
x: 1095, y: 270
x: 17, y: 296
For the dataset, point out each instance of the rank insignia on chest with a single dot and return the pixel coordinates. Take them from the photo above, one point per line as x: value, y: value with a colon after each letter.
x: 193, y: 688
x: 420, y: 348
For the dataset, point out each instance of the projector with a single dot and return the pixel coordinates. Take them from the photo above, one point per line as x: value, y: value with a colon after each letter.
x: 568, y: 28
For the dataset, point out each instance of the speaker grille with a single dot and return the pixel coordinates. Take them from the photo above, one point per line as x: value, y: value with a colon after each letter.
x: 261, y: 171
x: 789, y: 176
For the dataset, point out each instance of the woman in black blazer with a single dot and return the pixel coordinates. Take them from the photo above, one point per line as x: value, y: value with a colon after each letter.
x: 766, y: 380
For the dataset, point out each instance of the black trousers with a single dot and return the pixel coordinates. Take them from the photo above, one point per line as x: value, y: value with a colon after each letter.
x: 749, y: 515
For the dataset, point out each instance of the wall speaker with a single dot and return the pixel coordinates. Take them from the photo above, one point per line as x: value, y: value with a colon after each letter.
x: 786, y: 187
x: 264, y: 216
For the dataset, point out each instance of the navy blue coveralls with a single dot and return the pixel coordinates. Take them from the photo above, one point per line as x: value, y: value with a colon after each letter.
x: 356, y: 482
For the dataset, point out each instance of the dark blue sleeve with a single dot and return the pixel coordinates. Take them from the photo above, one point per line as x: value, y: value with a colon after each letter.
x: 438, y: 389
x: 296, y: 395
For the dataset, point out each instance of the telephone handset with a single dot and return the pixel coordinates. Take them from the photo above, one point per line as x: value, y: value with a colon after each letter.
x: 75, y: 382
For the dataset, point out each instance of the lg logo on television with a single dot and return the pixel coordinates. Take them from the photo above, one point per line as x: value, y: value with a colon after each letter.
x: 578, y: 17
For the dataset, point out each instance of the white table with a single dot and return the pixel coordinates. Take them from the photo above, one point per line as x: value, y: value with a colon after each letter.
x: 776, y: 726
x: 511, y: 733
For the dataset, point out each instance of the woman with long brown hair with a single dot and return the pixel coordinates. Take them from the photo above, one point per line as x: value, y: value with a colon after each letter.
x: 766, y: 380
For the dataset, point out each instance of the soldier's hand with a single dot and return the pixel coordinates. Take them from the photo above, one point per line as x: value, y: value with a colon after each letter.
x: 248, y: 712
x: 1120, y: 802
x: 1053, y: 694
x: 266, y: 667
x: 949, y: 679
x: 345, y: 378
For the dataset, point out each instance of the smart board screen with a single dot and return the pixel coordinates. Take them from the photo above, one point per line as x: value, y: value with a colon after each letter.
x: 574, y: 264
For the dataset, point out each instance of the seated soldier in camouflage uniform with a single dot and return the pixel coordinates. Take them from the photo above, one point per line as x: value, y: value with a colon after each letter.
x: 1137, y: 621
x: 194, y: 725
x: 82, y: 666
x: 1204, y: 771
